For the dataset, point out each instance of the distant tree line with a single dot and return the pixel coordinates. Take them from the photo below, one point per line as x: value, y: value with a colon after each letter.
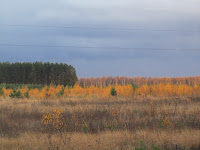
x: 37, y: 73
x: 105, y: 81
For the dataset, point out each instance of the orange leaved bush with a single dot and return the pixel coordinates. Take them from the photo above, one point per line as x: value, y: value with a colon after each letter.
x: 155, y: 90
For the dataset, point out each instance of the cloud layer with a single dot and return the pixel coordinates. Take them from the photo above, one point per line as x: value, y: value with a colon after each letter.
x: 181, y: 16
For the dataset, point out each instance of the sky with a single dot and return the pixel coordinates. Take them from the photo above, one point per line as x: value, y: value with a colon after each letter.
x: 104, y: 38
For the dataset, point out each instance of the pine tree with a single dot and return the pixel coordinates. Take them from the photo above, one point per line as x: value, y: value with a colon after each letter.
x: 113, y: 92
x: 37, y: 73
x: 52, y: 76
x: 33, y: 75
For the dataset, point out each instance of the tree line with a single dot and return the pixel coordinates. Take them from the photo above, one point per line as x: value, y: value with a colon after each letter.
x: 105, y: 81
x: 37, y: 73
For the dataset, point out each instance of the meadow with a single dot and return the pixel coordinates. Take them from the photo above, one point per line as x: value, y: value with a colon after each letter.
x: 154, y: 116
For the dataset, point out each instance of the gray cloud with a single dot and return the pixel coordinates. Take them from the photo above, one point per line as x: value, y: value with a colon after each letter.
x: 177, y: 15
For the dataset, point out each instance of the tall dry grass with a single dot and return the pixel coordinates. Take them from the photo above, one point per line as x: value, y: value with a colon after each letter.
x: 116, y: 123
x: 185, y: 139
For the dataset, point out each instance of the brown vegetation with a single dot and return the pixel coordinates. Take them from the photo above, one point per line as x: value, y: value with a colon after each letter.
x: 115, y: 123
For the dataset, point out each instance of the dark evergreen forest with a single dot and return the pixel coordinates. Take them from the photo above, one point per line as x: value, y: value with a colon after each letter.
x: 37, y: 73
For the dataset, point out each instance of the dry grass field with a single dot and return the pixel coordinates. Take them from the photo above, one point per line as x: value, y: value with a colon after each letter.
x: 114, y: 123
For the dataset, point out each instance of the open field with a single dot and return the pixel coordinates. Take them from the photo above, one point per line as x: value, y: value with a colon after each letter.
x: 113, y: 123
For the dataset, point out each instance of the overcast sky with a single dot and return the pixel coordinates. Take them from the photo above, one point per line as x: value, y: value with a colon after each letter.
x: 169, y: 32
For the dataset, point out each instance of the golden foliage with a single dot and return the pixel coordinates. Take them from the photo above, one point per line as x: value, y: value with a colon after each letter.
x: 7, y: 92
x: 53, y: 120
x: 155, y: 90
